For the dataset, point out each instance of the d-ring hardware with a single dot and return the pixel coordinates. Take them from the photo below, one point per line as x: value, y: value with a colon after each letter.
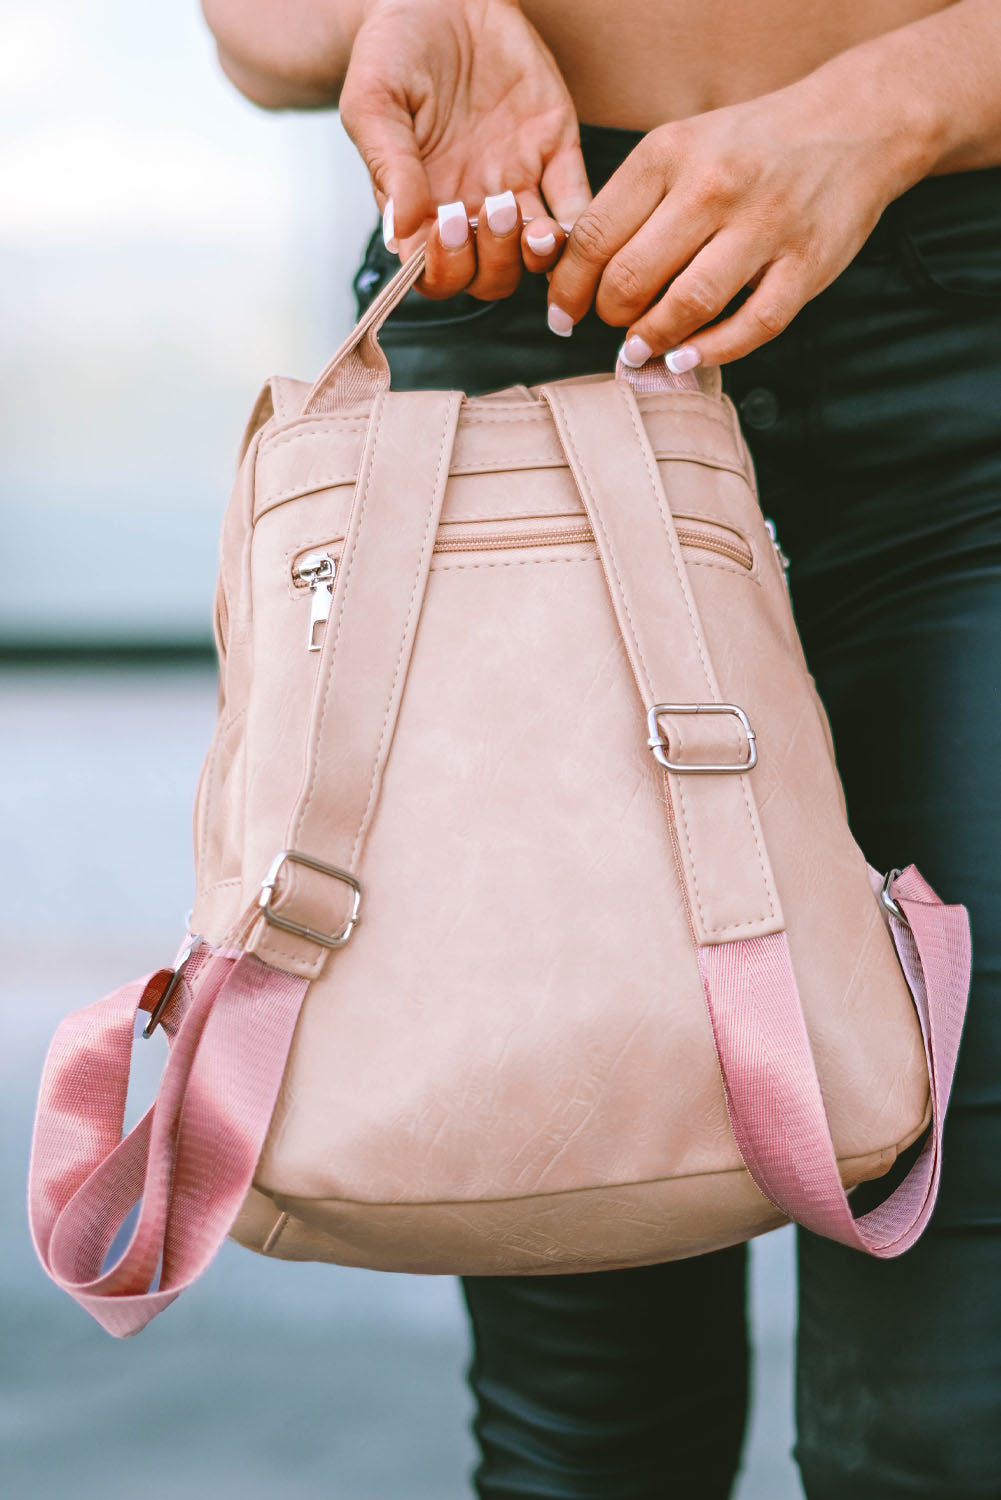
x: 275, y: 918
x: 658, y: 744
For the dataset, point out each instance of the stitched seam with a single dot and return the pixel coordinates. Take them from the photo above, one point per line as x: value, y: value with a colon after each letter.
x: 348, y: 577
x: 325, y: 429
x: 510, y: 412
x: 596, y: 516
x: 657, y: 492
x: 610, y: 1187
x: 503, y: 463
x: 218, y: 885
x: 430, y: 528
x: 524, y: 562
x: 312, y: 965
x: 734, y: 569
x: 479, y: 417
x: 678, y: 565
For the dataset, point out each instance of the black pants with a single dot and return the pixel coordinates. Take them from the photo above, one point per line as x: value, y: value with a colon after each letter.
x: 875, y: 426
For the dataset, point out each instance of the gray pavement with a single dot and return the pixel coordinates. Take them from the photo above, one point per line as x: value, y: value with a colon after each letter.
x: 266, y: 1380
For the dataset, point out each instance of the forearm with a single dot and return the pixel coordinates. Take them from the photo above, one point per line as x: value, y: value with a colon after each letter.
x: 940, y: 78
x: 285, y: 54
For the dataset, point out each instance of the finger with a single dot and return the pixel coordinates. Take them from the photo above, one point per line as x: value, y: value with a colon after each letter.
x: 451, y: 255
x: 498, y: 248
x: 384, y: 135
x: 658, y: 252
x: 696, y: 296
x: 564, y: 184
x: 542, y: 237
x: 766, y: 313
x: 625, y: 203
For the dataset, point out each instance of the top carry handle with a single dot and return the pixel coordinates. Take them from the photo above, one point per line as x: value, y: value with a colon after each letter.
x: 359, y: 369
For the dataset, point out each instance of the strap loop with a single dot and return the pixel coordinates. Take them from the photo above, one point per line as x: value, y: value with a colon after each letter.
x: 772, y: 1090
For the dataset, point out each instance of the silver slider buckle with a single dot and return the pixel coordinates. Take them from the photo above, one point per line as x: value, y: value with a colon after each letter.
x: 275, y: 918
x: 195, y: 941
x: 658, y: 744
x: 888, y: 902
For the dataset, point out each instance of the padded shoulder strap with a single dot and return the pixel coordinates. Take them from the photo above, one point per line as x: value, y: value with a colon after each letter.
x: 730, y: 887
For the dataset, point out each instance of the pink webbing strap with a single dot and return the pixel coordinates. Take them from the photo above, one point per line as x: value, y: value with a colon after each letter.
x: 654, y: 377
x: 191, y: 1158
x: 773, y: 1095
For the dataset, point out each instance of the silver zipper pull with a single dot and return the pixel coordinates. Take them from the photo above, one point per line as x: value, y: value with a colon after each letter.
x: 316, y: 572
x: 770, y: 527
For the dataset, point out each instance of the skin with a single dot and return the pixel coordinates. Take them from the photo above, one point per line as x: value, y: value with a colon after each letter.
x: 776, y: 134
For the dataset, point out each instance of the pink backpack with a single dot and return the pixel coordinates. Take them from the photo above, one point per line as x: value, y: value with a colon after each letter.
x: 531, y: 933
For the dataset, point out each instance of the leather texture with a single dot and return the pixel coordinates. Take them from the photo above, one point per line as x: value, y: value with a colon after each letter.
x: 509, y: 1066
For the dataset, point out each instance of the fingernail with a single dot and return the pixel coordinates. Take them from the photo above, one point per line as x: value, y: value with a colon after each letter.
x: 565, y: 226
x: 635, y: 352
x: 389, y: 228
x: 559, y: 321
x: 502, y: 212
x: 453, y: 226
x: 540, y: 244
x: 679, y: 361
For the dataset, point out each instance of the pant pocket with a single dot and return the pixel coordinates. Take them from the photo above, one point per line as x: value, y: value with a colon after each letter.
x: 949, y: 230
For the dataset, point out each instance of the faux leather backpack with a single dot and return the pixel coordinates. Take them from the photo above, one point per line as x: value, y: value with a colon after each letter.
x: 531, y: 935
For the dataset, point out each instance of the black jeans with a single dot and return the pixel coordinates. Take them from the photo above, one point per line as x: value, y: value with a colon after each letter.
x: 875, y: 426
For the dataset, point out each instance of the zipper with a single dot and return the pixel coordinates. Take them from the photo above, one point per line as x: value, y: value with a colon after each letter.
x: 317, y: 570
x: 705, y: 538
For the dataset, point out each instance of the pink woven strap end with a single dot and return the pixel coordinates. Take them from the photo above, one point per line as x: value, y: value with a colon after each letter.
x: 190, y: 1160
x: 654, y: 376
x: 772, y: 1091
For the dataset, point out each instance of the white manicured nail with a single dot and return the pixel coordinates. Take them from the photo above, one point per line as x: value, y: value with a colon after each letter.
x: 680, y: 361
x: 540, y: 244
x: 502, y: 212
x: 560, y: 322
x: 389, y: 228
x: 453, y: 225
x: 635, y: 352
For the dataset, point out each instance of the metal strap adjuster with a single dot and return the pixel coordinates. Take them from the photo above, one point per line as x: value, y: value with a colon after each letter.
x: 888, y: 902
x: 275, y: 918
x: 174, y: 979
x: 658, y: 744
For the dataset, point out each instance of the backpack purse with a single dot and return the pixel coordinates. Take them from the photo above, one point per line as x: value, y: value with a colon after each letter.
x: 531, y: 935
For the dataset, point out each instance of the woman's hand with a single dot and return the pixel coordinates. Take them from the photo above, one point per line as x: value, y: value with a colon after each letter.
x: 458, y: 106
x: 776, y: 194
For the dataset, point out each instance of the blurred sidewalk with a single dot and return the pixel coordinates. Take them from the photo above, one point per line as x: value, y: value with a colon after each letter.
x: 266, y: 1381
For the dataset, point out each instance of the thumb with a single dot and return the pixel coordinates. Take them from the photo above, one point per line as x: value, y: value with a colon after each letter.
x: 384, y: 135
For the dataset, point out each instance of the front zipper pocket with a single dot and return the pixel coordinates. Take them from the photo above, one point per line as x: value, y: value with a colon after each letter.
x: 314, y: 570
x: 706, y: 536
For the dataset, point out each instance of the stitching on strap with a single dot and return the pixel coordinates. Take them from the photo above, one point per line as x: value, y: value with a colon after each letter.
x: 348, y: 577
x: 658, y: 493
x: 413, y: 605
x: 597, y: 517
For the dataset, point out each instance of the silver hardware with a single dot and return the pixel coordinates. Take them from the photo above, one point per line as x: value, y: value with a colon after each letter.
x: 770, y: 528
x: 887, y: 901
x: 316, y: 572
x: 658, y: 744
x: 275, y: 919
x: 175, y: 978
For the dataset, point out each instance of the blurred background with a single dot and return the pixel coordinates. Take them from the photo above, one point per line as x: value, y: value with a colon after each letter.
x: 163, y: 247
